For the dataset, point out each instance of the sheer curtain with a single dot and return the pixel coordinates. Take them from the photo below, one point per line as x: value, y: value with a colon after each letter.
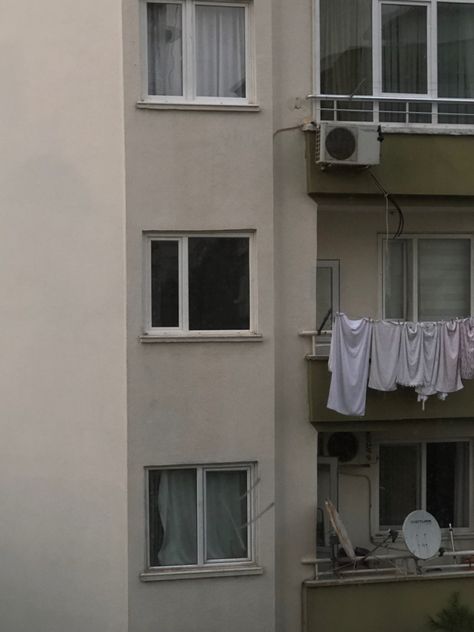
x: 172, y: 516
x: 165, y: 49
x: 226, y: 515
x: 220, y: 51
x: 404, y: 49
x: 346, y: 46
x: 456, y: 60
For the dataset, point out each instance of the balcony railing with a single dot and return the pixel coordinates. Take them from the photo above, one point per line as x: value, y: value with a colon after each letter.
x: 394, y: 110
x: 398, y: 565
x: 381, y: 406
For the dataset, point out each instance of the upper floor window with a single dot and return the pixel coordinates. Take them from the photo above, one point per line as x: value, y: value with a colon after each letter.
x: 199, y: 283
x: 415, y: 59
x: 197, y: 52
x: 427, y: 278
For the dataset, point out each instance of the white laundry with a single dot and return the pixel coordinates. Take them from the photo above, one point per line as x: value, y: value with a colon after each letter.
x: 411, y: 368
x: 386, y: 337
x: 466, y: 331
x: 430, y: 358
x: 349, y: 364
x: 449, y: 374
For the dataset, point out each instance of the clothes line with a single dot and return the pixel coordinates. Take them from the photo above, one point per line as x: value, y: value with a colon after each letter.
x: 431, y: 357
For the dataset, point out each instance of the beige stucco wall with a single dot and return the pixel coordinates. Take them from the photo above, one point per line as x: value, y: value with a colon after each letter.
x: 62, y: 387
x: 295, y: 283
x: 206, y: 402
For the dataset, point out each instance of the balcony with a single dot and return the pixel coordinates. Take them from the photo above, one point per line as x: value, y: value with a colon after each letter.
x: 396, y: 406
x: 395, y: 603
x: 414, y: 164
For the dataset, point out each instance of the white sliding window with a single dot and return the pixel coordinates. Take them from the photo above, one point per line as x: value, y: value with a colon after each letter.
x: 427, y: 278
x: 196, y: 52
x: 395, y: 61
x: 199, y: 516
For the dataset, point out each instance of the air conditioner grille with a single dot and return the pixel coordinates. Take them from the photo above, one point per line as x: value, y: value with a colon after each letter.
x: 340, y: 143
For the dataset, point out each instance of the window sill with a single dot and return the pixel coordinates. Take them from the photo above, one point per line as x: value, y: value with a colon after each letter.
x: 200, y: 573
x: 225, y: 337
x: 152, y: 105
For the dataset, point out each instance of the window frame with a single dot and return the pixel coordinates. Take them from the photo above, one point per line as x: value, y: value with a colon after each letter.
x: 202, y: 564
x: 377, y: 95
x: 183, y: 330
x: 414, y: 238
x: 335, y: 266
x: 380, y: 530
x: 189, y: 96
x: 431, y: 49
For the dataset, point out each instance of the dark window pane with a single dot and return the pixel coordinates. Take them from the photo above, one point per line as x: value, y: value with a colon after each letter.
x: 456, y: 113
x: 354, y: 111
x: 420, y: 112
x: 399, y: 483
x: 346, y: 47
x: 219, y: 296
x: 226, y: 515
x: 404, y: 49
x: 164, y: 284
x: 172, y: 517
x: 447, y: 471
x: 455, y: 51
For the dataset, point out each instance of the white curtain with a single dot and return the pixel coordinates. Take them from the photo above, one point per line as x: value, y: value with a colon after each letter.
x: 220, y: 51
x: 165, y: 56
x: 404, y: 49
x: 226, y: 515
x: 173, y: 523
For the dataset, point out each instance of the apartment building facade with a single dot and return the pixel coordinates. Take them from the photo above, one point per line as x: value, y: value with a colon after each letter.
x: 176, y: 434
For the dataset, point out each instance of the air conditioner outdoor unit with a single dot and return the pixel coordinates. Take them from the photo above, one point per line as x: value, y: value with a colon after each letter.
x: 339, y: 144
x: 350, y: 448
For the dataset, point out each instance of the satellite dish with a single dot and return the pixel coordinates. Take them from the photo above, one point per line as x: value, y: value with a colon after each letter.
x: 422, y: 534
x: 340, y: 529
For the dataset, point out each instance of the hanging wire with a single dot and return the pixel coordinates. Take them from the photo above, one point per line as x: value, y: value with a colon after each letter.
x: 389, y: 197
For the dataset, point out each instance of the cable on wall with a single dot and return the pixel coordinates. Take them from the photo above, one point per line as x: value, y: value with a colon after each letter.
x: 389, y: 197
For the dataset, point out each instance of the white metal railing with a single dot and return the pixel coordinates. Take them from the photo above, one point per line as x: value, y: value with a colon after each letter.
x: 394, y: 110
x: 320, y: 342
x: 386, y: 564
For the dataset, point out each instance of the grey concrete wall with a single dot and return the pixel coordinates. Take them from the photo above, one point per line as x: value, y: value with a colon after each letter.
x: 295, y: 266
x: 203, y: 402
x: 62, y: 314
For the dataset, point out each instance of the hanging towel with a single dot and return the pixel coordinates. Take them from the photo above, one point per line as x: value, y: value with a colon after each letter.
x: 349, y: 365
x: 449, y: 373
x: 411, y: 369
x: 386, y: 337
x: 466, y: 330
x: 430, y: 358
